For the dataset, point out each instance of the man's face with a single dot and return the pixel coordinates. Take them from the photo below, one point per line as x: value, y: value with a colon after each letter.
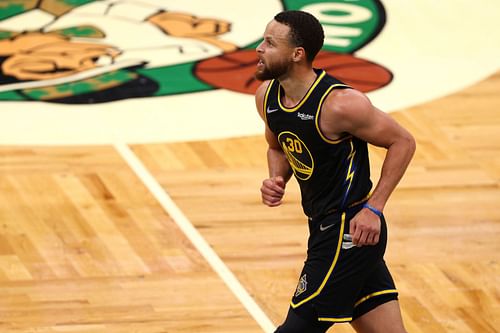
x: 275, y: 52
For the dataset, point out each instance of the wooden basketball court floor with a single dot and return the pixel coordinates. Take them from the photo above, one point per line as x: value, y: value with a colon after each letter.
x: 173, y: 238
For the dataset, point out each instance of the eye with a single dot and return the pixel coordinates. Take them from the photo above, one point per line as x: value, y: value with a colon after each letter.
x: 269, y: 42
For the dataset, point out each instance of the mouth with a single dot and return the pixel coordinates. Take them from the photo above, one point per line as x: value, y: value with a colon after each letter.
x: 260, y: 64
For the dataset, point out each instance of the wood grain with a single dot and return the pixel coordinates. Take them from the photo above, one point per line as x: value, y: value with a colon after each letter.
x: 84, y: 247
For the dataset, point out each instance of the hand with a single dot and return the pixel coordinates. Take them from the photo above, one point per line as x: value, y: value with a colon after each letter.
x: 365, y: 228
x: 272, y: 191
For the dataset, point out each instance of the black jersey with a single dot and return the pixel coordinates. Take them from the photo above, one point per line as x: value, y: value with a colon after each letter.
x: 332, y: 174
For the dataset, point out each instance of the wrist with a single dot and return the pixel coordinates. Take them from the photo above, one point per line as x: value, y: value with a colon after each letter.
x: 374, y: 210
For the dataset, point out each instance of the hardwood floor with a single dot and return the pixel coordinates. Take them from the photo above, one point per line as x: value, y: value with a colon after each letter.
x: 86, y: 247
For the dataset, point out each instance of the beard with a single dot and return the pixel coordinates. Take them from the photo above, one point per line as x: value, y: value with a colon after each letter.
x: 272, y: 72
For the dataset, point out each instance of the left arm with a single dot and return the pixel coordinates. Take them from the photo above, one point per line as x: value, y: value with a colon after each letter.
x: 350, y: 111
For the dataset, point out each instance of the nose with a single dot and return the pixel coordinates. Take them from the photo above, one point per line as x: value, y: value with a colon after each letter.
x: 259, y: 48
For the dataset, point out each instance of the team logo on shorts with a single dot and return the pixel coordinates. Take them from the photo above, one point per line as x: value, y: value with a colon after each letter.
x: 302, y: 286
x: 297, y: 154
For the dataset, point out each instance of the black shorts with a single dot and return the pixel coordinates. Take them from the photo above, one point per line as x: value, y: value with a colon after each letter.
x: 340, y: 281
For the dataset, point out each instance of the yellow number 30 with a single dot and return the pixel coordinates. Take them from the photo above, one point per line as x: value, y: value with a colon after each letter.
x: 294, y: 145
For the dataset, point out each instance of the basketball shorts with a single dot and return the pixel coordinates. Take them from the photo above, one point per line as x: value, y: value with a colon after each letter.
x: 340, y: 282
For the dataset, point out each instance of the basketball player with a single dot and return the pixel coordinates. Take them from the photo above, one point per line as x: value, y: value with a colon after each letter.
x: 317, y: 128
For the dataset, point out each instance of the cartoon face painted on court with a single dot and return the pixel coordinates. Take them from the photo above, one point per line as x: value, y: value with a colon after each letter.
x: 36, y: 56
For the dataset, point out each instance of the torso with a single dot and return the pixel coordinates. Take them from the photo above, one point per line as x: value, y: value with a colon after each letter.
x: 333, y: 172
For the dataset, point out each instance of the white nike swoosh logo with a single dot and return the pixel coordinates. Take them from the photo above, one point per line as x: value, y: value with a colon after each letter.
x: 271, y: 111
x: 321, y: 228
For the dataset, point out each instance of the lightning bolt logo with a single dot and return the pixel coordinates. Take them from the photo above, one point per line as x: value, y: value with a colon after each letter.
x: 351, y: 170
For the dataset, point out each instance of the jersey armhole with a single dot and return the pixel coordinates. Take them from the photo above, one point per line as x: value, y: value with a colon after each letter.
x: 318, y: 114
x: 264, y: 102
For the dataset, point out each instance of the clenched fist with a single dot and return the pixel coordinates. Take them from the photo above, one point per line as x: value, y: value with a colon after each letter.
x: 272, y: 191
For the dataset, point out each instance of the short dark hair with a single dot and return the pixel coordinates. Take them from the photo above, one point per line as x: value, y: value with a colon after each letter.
x: 305, y: 31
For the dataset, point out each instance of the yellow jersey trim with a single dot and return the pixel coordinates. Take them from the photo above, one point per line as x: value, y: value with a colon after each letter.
x: 378, y: 293
x: 336, y: 320
x: 348, y: 319
x: 335, y: 259
x: 265, y: 100
x: 304, y: 99
x: 355, y: 203
x: 316, y: 120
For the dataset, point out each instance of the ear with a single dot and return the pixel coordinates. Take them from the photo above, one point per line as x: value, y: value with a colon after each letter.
x: 299, y: 54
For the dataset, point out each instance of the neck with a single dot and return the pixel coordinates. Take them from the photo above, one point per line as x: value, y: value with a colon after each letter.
x: 296, y: 84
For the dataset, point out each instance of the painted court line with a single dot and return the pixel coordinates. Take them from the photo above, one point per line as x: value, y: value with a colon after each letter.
x: 195, y: 237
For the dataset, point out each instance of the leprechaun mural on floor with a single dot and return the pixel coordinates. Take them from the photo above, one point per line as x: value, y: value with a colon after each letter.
x: 88, y: 52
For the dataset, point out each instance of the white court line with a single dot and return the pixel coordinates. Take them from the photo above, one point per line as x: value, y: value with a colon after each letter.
x: 195, y: 237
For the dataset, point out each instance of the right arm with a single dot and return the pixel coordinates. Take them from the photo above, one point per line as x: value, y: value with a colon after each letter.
x: 273, y: 188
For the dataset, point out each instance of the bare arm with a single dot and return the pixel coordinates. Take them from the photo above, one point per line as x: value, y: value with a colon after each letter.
x: 273, y: 188
x: 349, y: 111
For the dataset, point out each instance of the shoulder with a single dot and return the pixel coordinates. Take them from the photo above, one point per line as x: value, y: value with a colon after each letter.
x: 344, y: 110
x: 342, y: 101
x: 261, y: 90
x: 260, y: 94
